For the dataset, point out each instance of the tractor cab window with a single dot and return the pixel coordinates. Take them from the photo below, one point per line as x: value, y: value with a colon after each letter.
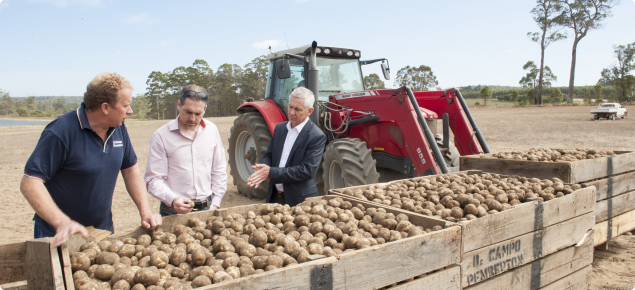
x: 282, y: 88
x: 338, y: 75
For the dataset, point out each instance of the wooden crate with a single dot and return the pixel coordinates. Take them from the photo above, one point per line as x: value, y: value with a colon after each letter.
x: 525, y: 233
x: 569, y: 172
x: 606, y: 230
x: 380, y: 265
x: 550, y: 272
x: 445, y: 279
x: 575, y: 281
x: 613, y: 185
x: 373, y: 267
x: 31, y: 265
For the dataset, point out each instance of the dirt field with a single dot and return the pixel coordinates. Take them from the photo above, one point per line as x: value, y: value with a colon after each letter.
x: 505, y: 128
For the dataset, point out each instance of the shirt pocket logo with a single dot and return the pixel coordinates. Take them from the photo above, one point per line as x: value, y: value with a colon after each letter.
x: 117, y: 143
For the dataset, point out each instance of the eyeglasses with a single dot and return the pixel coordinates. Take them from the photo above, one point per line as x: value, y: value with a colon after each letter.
x: 192, y: 94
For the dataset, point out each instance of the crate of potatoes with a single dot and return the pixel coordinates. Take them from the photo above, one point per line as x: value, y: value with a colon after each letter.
x: 506, y: 222
x: 569, y: 165
x: 324, y: 243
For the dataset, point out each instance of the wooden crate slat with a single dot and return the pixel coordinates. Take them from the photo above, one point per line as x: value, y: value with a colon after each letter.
x: 67, y: 268
x: 12, y: 262
x: 613, y: 185
x: 619, y: 225
x: 39, y: 270
x: 614, y: 206
x: 447, y: 279
x: 525, y: 218
x: 309, y: 275
x: 56, y: 266
x: 575, y: 281
x: 392, y: 262
x: 20, y: 285
x: 543, y: 272
x: 507, y: 255
x: 569, y: 172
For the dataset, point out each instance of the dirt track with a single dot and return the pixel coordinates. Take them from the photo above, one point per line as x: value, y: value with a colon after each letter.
x: 509, y: 128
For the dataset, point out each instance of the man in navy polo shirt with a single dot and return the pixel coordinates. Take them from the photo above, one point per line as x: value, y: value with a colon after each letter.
x: 70, y: 177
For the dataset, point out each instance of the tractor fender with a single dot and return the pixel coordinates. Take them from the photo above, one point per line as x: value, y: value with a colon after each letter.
x: 269, y: 110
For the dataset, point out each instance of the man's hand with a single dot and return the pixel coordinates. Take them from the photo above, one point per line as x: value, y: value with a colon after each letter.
x: 213, y: 207
x: 181, y: 205
x: 258, y: 177
x: 66, y: 230
x: 151, y: 221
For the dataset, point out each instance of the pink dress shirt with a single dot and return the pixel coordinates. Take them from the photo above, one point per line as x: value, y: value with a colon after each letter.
x: 179, y: 166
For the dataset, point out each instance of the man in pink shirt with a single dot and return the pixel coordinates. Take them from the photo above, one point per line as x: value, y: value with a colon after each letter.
x: 186, y: 167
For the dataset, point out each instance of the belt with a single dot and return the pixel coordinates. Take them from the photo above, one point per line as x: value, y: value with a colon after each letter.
x: 280, y: 193
x: 199, y: 205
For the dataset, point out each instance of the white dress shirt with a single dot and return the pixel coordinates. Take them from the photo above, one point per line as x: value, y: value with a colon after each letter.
x: 292, y: 135
x: 182, y: 166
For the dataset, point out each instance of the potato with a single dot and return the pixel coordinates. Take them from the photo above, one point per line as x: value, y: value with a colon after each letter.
x: 159, y: 259
x: 127, y: 275
x: 121, y: 285
x: 246, y: 270
x: 92, y: 285
x: 178, y: 273
x: 258, y: 238
x: 201, y: 281
x: 126, y: 250
x: 81, y: 281
x: 178, y: 256
x: 315, y: 249
x: 104, y: 272
x: 147, y: 276
x: 221, y: 276
x: 80, y: 261
x: 138, y: 287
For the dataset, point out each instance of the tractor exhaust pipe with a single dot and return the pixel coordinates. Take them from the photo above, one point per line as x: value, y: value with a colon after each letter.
x: 426, y: 130
x: 478, y: 133
x: 313, y: 83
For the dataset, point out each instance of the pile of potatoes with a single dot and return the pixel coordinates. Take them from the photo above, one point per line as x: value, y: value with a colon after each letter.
x: 225, y: 248
x: 461, y: 197
x: 552, y: 155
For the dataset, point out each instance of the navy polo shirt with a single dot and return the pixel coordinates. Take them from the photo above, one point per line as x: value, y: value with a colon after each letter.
x: 79, y: 170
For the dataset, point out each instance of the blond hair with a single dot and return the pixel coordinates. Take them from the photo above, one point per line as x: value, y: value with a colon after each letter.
x: 104, y: 88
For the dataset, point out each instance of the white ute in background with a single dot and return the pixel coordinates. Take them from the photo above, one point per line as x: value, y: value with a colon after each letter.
x: 609, y: 111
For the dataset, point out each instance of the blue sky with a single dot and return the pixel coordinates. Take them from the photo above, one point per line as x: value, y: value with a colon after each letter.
x: 55, y: 47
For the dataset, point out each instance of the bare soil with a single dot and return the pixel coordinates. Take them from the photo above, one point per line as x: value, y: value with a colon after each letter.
x: 504, y: 128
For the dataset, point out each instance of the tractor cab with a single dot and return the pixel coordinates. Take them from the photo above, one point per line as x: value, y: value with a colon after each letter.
x: 339, y: 72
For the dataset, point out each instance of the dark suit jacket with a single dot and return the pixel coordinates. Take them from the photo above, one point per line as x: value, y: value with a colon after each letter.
x: 298, y: 175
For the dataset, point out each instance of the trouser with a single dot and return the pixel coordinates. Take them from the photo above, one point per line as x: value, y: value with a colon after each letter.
x: 165, y: 210
x: 277, y: 197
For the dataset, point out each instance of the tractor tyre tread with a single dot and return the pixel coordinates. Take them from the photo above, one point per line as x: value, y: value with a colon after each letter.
x: 256, y: 124
x: 355, y: 160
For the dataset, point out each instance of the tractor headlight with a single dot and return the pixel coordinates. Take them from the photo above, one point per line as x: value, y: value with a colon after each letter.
x: 318, y: 50
x: 349, y: 53
x: 327, y: 50
x: 357, y: 54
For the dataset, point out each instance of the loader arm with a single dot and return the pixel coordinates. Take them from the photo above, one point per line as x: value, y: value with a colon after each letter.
x: 392, y: 105
x: 446, y: 102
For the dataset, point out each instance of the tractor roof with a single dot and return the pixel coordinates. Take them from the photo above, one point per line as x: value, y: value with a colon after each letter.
x: 300, y: 51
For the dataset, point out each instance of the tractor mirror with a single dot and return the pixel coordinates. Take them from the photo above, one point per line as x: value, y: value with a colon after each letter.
x: 386, y: 70
x: 283, y: 70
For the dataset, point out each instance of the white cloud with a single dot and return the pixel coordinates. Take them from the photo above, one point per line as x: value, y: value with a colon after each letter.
x: 4, y: 3
x: 141, y: 17
x: 65, y: 3
x: 265, y: 44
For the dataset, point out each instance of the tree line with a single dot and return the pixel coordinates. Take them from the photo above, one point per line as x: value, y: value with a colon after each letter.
x: 227, y: 88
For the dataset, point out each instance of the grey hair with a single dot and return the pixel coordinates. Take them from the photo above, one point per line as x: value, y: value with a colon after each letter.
x: 303, y: 93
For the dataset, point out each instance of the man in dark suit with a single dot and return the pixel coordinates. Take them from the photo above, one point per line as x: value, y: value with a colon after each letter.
x: 294, y: 154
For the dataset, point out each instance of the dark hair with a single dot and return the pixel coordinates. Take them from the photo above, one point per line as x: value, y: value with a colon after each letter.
x: 196, y: 96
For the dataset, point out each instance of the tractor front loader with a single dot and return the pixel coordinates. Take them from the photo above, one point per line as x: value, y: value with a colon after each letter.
x: 393, y: 130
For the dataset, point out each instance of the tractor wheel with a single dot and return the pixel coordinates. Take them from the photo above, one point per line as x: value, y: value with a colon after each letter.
x: 596, y: 117
x: 248, y: 142
x: 348, y: 162
x: 319, y: 180
x: 612, y: 117
x: 624, y: 116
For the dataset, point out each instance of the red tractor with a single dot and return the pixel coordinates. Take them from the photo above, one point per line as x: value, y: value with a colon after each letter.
x: 389, y: 130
